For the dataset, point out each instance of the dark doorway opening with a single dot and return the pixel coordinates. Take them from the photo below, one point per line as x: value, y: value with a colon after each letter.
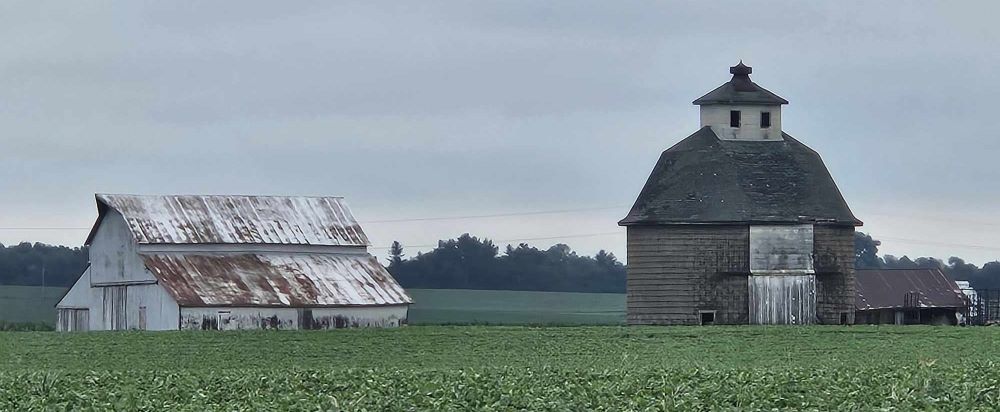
x: 707, y: 317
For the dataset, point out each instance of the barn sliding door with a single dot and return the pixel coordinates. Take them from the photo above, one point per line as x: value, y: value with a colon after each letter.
x: 782, y: 284
x: 783, y: 300
x: 114, y: 308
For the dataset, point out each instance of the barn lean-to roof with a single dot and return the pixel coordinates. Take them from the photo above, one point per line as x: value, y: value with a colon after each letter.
x: 887, y: 288
x: 707, y: 180
x: 275, y: 280
x: 230, y: 219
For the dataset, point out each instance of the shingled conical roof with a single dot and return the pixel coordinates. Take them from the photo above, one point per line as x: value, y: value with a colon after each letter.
x: 740, y: 90
x: 706, y: 180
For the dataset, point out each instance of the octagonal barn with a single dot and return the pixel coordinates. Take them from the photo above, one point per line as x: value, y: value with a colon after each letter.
x: 740, y: 223
x: 229, y: 262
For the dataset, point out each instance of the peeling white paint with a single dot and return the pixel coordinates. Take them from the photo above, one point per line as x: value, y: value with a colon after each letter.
x: 782, y: 299
x: 230, y: 318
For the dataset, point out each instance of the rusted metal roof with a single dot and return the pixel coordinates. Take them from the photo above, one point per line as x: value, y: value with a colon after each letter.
x: 186, y: 219
x: 901, y: 288
x: 282, y: 280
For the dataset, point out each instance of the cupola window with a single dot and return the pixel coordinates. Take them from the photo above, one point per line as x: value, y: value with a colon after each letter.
x: 765, y: 120
x: 734, y: 118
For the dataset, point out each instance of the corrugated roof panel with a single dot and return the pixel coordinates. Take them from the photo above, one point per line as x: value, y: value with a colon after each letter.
x: 294, y: 280
x: 186, y: 219
x: 887, y: 288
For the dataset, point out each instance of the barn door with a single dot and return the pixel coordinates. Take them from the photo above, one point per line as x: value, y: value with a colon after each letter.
x: 115, y: 317
x: 782, y: 284
x: 782, y: 300
x: 73, y: 320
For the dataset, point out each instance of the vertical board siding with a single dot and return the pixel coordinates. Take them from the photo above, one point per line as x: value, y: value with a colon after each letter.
x: 73, y: 320
x: 161, y: 312
x: 115, y: 315
x: 676, y: 271
x: 782, y: 299
x: 835, y: 289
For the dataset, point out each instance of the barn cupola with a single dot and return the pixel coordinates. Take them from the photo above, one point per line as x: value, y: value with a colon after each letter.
x: 742, y: 110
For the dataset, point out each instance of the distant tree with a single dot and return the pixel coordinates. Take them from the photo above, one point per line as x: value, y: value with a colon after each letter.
x: 473, y: 263
x: 866, y: 252
x: 31, y: 264
x: 959, y: 270
x: 395, y: 254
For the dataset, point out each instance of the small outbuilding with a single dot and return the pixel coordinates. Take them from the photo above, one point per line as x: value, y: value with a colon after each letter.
x: 229, y: 262
x: 908, y: 297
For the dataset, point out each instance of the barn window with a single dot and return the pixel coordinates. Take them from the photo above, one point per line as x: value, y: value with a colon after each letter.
x: 765, y: 120
x: 707, y: 317
x: 734, y: 118
x: 781, y: 249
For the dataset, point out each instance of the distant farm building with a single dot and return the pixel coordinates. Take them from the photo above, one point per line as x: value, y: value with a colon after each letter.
x: 229, y: 262
x: 908, y: 296
x: 740, y: 223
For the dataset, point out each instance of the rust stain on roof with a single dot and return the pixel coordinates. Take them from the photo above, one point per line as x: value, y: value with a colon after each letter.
x: 888, y: 288
x: 198, y: 219
x: 282, y: 280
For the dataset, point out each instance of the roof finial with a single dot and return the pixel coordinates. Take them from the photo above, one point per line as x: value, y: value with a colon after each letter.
x: 741, y: 69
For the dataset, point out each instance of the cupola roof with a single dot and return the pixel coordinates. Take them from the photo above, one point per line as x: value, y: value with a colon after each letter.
x: 740, y: 90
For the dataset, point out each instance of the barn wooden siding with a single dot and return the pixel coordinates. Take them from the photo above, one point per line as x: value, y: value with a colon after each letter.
x: 675, y: 271
x: 72, y: 320
x: 235, y: 318
x: 834, y: 263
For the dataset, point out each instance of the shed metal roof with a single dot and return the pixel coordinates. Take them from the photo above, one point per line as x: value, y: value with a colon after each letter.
x: 887, y: 288
x: 707, y: 180
x: 202, y: 219
x: 275, y: 280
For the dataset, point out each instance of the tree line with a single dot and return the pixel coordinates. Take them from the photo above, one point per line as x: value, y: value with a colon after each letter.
x: 473, y: 263
x: 32, y: 264
x: 470, y: 262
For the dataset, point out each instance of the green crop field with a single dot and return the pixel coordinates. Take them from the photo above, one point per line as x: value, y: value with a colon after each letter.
x: 449, y: 306
x: 507, y: 368
x: 29, y: 303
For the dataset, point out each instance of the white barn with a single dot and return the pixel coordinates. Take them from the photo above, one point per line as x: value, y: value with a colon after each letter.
x: 229, y: 262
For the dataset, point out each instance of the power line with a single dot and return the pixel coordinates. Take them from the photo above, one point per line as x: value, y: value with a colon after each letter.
x: 932, y: 243
x: 419, y: 219
x: 937, y: 218
x: 541, y: 212
x: 524, y: 239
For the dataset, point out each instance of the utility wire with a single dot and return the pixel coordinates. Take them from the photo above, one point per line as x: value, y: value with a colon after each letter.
x: 420, y: 219
x: 524, y: 239
x: 932, y: 243
x: 565, y: 211
x: 541, y: 212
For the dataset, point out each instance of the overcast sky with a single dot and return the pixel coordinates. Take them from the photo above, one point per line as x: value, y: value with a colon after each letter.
x: 433, y: 109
